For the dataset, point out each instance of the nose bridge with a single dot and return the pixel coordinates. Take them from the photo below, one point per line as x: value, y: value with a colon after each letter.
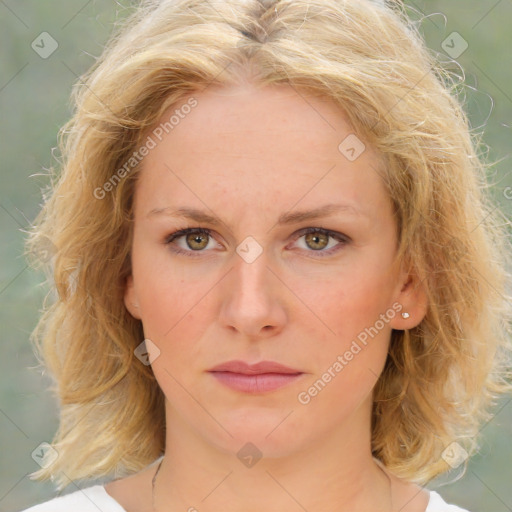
x: 251, y: 304
x: 251, y: 278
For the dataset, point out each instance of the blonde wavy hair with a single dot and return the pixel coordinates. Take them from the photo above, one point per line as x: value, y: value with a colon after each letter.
x: 440, y: 379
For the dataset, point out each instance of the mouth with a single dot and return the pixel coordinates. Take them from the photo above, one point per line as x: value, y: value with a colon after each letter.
x: 256, y: 378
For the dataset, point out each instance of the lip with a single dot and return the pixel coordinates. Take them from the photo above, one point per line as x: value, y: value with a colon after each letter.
x: 259, y: 377
x: 253, y: 369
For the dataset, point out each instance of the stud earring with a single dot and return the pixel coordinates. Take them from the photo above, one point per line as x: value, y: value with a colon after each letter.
x: 405, y: 315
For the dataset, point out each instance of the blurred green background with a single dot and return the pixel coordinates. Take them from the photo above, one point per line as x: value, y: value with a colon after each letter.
x: 34, y: 103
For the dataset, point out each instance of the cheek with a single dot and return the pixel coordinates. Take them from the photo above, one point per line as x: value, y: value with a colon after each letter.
x: 174, y: 311
x: 346, y: 303
x: 354, y: 346
x: 176, y: 307
x: 353, y: 329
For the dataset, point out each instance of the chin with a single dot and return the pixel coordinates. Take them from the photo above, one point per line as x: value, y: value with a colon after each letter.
x: 271, y: 432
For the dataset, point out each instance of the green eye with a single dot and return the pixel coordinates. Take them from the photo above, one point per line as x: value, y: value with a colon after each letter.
x: 196, y: 240
x: 316, y: 240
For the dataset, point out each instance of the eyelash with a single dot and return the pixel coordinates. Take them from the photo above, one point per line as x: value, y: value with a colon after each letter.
x: 345, y: 240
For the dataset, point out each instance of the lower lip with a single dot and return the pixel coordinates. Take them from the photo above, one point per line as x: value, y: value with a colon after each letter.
x: 255, y: 383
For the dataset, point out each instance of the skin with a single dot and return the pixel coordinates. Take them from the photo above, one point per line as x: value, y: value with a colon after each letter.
x: 248, y: 155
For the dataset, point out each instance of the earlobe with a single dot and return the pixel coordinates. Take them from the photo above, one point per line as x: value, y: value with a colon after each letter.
x: 130, y: 298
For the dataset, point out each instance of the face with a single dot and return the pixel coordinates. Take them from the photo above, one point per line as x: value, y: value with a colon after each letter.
x: 250, y: 279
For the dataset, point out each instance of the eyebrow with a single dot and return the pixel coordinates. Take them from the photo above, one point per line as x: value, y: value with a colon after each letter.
x: 284, y: 219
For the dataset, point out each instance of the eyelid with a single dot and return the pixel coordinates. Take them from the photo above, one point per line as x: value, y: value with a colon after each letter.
x: 334, y: 234
x: 340, y: 237
x: 183, y: 232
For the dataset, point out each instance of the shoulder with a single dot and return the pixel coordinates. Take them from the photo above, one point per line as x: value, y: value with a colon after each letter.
x: 90, y: 499
x: 415, y: 498
x: 437, y: 504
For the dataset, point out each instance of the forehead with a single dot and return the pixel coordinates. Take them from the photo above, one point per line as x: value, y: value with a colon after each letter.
x: 247, y: 141
x: 263, y: 114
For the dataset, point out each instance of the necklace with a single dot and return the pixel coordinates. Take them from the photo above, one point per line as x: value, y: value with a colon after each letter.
x: 153, y: 484
x: 391, y: 508
x: 378, y: 464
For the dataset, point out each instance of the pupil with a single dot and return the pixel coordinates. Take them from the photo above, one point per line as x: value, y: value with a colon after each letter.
x: 315, y: 239
x: 196, y: 239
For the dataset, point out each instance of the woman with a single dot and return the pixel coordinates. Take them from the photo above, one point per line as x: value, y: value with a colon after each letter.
x: 277, y: 271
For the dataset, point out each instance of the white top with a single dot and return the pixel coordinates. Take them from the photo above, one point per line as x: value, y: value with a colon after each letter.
x: 92, y: 499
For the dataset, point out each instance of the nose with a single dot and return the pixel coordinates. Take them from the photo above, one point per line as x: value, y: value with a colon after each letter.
x: 253, y: 299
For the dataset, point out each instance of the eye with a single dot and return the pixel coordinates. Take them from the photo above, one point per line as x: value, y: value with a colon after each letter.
x: 195, y: 240
x: 317, y: 239
x: 191, y: 241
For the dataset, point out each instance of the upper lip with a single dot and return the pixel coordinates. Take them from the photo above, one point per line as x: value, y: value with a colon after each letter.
x: 253, y: 369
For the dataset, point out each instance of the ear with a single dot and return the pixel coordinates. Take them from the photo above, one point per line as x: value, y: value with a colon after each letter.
x: 130, y: 298
x: 411, y: 294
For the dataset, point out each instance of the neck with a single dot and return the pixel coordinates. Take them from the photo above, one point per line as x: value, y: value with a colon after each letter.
x: 334, y: 472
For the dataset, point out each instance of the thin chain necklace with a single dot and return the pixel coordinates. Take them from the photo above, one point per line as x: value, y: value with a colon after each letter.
x: 391, y: 507
x: 159, y: 465
x: 153, y: 485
